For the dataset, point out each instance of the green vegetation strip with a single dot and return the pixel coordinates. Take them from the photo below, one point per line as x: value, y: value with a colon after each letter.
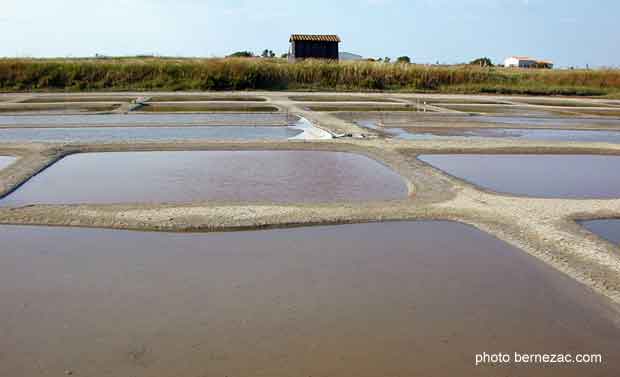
x: 277, y: 74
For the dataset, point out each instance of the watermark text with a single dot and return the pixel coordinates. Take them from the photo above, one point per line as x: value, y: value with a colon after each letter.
x: 536, y: 358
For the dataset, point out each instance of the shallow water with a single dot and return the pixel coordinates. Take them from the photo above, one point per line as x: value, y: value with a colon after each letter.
x: 607, y: 229
x: 143, y: 119
x: 516, y: 133
x: 61, y: 99
x: 278, y: 176
x: 512, y: 110
x: 545, y: 134
x: 6, y: 161
x: 558, y: 176
x: 129, y: 134
x: 543, y: 121
x: 393, y: 119
x: 393, y: 299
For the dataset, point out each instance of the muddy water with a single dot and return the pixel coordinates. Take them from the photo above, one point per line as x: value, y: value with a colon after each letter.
x: 6, y: 161
x: 113, y: 134
x: 397, y: 299
x: 566, y: 176
x: 607, y: 229
x: 142, y: 119
x: 283, y: 176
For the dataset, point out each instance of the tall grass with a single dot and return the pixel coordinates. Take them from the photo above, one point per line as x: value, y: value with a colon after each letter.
x: 275, y: 74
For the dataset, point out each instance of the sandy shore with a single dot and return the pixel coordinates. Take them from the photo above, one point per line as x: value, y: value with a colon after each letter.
x: 544, y: 228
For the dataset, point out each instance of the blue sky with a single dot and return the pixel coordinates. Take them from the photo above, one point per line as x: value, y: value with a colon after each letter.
x: 571, y: 33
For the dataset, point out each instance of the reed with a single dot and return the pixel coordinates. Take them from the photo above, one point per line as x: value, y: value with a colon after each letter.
x: 122, y: 74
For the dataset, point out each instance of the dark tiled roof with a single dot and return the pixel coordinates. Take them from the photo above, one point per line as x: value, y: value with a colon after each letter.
x: 314, y: 38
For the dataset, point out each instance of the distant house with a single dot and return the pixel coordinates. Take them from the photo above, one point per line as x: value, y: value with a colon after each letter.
x: 526, y: 62
x: 306, y: 46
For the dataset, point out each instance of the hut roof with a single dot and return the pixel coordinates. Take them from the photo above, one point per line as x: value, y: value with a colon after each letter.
x: 314, y: 38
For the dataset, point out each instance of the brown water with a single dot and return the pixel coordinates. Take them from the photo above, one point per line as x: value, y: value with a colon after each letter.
x: 53, y: 108
x: 500, y: 109
x: 608, y: 229
x: 6, y: 161
x: 56, y: 99
x: 279, y: 176
x: 200, y: 97
x: 561, y: 102
x: 558, y: 176
x: 207, y: 107
x: 340, y: 98
x: 394, y: 299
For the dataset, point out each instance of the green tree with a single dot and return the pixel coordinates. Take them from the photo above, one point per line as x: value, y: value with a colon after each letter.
x: 241, y: 54
x: 403, y: 60
x: 482, y: 62
x: 268, y: 54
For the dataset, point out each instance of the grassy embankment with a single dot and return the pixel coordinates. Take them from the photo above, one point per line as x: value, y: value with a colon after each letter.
x: 274, y: 74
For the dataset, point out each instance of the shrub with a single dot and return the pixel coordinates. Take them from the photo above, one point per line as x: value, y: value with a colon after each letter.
x: 482, y: 62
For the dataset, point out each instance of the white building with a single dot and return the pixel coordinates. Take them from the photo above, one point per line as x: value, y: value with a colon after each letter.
x: 526, y: 62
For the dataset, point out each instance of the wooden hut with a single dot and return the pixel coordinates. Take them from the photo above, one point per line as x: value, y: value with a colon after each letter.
x: 306, y: 46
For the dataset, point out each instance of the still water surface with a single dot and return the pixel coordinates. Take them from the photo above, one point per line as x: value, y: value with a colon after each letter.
x: 393, y: 299
x: 160, y: 133
x: 516, y: 133
x: 142, y: 119
x: 558, y: 176
x: 544, y: 121
x: 257, y: 176
x: 546, y: 134
x: 607, y: 229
